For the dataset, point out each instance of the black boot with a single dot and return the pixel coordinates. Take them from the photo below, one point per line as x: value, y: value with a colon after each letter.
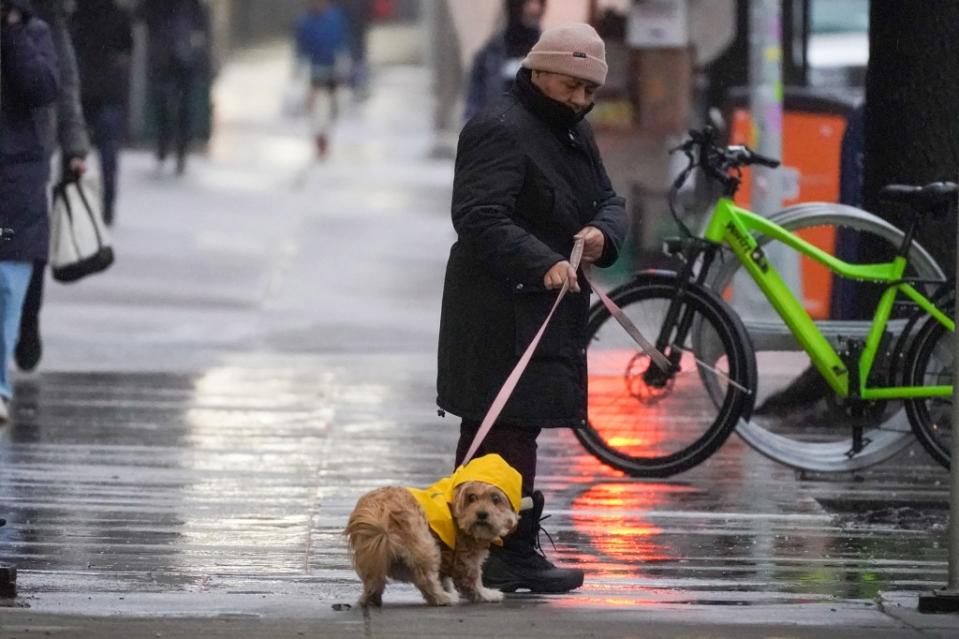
x: 521, y: 564
x: 29, y: 349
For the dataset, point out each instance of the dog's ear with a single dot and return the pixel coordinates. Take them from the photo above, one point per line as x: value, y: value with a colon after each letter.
x: 515, y: 515
x: 459, y: 499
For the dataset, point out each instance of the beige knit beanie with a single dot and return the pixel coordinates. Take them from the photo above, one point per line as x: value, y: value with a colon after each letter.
x: 573, y: 49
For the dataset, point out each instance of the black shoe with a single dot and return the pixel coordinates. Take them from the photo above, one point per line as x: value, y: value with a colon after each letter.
x: 520, y: 563
x: 28, y: 351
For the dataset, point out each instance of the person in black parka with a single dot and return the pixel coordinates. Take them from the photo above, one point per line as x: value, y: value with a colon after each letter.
x: 495, y: 65
x: 528, y: 181
x: 29, y: 82
x: 63, y: 128
x: 103, y: 38
x: 179, y: 58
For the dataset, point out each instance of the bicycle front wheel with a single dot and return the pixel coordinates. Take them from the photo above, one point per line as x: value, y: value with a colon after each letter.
x: 648, y: 423
x: 931, y: 363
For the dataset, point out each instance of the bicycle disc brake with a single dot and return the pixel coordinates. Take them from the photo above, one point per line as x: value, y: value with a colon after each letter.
x: 645, y: 381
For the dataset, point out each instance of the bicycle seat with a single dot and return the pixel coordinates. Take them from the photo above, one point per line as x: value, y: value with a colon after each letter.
x: 937, y: 198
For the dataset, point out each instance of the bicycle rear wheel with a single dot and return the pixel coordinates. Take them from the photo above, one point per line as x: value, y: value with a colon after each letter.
x: 931, y: 363
x: 652, y: 424
x: 813, y: 434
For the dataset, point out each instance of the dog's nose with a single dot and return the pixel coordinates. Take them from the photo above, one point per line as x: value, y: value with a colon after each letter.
x: 481, y: 515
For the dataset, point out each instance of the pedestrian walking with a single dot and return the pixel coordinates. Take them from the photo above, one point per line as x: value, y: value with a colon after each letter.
x: 528, y: 182
x: 29, y: 83
x: 103, y: 38
x: 62, y: 127
x: 179, y: 63
x: 358, y: 13
x: 496, y: 63
x: 322, y: 43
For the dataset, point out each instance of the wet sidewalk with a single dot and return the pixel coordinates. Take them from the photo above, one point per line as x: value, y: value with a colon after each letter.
x: 208, y: 411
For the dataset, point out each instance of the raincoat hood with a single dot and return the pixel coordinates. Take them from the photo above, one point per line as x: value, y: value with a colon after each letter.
x: 436, y: 499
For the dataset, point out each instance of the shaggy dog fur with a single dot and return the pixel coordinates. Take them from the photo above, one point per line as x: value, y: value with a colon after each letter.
x: 389, y: 536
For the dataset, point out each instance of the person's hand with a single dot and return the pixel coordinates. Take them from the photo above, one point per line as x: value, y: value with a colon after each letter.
x: 13, y: 16
x: 77, y: 167
x: 593, y: 243
x: 559, y: 274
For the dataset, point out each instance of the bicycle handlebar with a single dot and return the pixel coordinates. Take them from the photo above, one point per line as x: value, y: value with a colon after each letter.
x: 717, y: 162
x: 703, y: 151
x: 744, y: 156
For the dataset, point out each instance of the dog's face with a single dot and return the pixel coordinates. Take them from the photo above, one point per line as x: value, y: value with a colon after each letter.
x: 483, y: 511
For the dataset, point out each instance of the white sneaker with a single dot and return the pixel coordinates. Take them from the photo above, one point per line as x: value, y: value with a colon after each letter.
x: 4, y: 411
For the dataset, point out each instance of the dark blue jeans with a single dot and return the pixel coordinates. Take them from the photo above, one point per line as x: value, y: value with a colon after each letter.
x: 108, y: 122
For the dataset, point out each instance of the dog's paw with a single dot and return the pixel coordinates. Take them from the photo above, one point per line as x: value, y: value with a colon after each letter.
x: 446, y: 599
x: 488, y: 595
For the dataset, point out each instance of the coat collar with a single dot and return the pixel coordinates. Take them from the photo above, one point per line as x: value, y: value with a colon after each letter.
x: 556, y: 115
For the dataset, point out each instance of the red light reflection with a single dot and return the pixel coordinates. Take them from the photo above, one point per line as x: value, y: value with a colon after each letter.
x: 612, y: 517
x: 619, y: 542
x: 643, y: 419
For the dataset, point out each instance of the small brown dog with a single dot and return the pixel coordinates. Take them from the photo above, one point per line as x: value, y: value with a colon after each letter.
x: 437, y: 538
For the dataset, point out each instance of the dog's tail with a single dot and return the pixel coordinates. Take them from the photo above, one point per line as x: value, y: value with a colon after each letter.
x: 369, y: 540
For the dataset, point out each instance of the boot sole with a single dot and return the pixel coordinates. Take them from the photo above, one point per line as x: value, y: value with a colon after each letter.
x: 543, y: 589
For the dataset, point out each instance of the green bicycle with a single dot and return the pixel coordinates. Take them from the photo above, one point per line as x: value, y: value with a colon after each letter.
x: 650, y: 422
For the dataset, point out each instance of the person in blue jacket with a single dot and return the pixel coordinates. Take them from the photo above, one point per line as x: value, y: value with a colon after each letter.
x: 323, y: 44
x: 29, y: 82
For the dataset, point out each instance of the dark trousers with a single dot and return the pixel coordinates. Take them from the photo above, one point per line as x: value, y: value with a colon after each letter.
x: 516, y: 445
x: 30, y: 317
x: 172, y: 94
x: 108, y: 122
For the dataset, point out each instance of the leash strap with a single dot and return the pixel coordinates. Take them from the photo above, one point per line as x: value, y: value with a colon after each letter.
x: 504, y: 393
x: 658, y: 358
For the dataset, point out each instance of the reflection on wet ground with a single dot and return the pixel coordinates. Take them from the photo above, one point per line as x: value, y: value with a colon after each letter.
x: 239, y: 480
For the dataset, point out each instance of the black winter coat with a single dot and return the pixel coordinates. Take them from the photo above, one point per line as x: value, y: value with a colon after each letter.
x: 178, y: 36
x: 103, y: 38
x: 30, y: 81
x: 528, y: 177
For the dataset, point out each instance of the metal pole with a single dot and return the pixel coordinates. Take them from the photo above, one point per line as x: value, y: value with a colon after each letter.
x: 766, y: 99
x: 947, y: 600
x: 8, y: 572
x: 953, y: 585
x: 766, y: 109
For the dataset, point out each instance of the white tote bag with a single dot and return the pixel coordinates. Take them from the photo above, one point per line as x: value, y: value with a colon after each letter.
x: 79, y: 241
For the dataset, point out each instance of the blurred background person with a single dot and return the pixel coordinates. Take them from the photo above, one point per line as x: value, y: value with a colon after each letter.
x: 103, y: 38
x: 179, y: 59
x: 29, y: 82
x: 323, y: 44
x: 62, y: 127
x: 495, y: 65
x: 358, y: 14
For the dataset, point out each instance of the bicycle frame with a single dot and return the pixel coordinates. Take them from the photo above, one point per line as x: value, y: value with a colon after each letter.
x: 735, y: 227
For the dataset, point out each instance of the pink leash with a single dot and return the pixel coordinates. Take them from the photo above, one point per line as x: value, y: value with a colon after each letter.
x: 504, y: 393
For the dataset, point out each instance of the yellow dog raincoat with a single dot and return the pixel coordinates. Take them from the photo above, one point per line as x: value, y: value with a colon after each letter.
x: 436, y: 499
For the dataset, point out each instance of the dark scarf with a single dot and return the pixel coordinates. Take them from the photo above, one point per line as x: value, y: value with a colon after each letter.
x: 557, y: 115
